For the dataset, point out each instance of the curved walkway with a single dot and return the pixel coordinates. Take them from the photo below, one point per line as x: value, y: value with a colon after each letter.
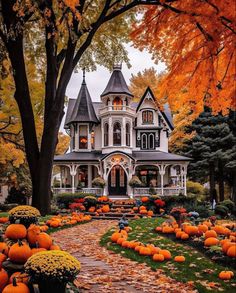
x: 104, y: 271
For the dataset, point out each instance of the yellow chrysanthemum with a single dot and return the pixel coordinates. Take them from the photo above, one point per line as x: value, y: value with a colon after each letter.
x: 24, y: 211
x: 53, y: 264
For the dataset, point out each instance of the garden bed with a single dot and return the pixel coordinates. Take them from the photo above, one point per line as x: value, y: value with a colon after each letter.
x: 197, y: 268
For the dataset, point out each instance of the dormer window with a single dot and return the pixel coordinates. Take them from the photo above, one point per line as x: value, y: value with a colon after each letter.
x: 147, y: 116
x: 83, y: 137
x: 117, y: 103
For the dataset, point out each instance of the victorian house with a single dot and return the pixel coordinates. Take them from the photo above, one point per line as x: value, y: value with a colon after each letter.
x: 117, y: 139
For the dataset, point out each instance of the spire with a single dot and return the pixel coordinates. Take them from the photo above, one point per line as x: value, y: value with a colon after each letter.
x: 83, y: 110
x: 116, y: 83
x: 84, y: 82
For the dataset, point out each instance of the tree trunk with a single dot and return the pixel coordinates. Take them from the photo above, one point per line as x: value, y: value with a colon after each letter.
x: 234, y: 187
x: 212, y: 182
x: 221, y: 180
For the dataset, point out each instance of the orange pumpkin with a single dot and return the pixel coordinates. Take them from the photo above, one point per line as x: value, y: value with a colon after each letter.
x: 4, y: 220
x: 125, y: 243
x: 92, y: 209
x: 20, y: 277
x: 226, y: 245
x: 19, y: 252
x: 142, y: 208
x: 210, y: 233
x: 166, y: 253
x: 144, y: 199
x: 158, y: 229
x: 106, y: 208
x: 16, y: 231
x: 184, y: 236
x: 145, y: 251
x: 226, y: 275
x: 3, y: 279
x: 143, y: 212
x: 191, y: 230
x: 55, y: 247
x: 36, y: 250
x: 158, y: 257
x: 179, y: 258
x: 16, y: 288
x: 211, y: 241
x: 4, y: 248
x: 231, y: 252
x: 179, y: 234
x: 44, y: 240
x: 115, y: 236
x: 120, y: 240
x: 150, y: 213
x: 203, y: 228
x: 32, y: 234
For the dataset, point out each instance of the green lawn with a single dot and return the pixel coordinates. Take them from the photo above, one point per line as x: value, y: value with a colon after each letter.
x: 197, y: 267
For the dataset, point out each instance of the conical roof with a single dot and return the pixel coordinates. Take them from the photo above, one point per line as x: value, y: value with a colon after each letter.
x: 83, y: 110
x: 116, y: 83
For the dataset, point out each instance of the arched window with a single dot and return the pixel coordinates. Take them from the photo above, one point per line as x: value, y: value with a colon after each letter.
x: 117, y: 134
x: 144, y: 141
x: 151, y: 141
x: 106, y: 130
x: 127, y: 128
x: 147, y: 117
x: 117, y: 103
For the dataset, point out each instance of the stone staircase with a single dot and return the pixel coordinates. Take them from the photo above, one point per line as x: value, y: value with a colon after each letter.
x: 119, y: 208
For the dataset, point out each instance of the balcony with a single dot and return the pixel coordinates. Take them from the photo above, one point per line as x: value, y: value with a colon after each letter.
x: 116, y: 109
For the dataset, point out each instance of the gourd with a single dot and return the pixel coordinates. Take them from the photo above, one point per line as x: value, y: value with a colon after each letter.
x: 179, y: 258
x: 3, y: 279
x: 44, y: 240
x: 19, y: 252
x: 16, y: 288
x: 226, y: 275
x: 211, y: 241
x: 16, y: 231
x: 158, y: 257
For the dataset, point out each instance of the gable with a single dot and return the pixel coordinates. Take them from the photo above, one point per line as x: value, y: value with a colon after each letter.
x: 148, y: 100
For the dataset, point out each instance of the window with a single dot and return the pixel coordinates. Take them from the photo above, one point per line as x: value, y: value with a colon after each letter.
x: 108, y: 101
x: 117, y: 134
x: 147, y: 141
x: 83, y: 137
x: 106, y: 130
x: 144, y: 141
x: 92, y: 139
x: 117, y: 104
x: 127, y: 128
x: 126, y: 102
x: 147, y: 117
x: 151, y: 141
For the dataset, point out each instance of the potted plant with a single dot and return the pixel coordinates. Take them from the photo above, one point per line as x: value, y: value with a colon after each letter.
x: 135, y: 182
x: 52, y: 270
x: 99, y: 182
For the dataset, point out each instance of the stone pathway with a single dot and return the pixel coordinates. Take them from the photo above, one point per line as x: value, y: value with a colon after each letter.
x: 104, y: 271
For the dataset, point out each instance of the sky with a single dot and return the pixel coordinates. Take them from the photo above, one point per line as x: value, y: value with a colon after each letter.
x: 97, y: 80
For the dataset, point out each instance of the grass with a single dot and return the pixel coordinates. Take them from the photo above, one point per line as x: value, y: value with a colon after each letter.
x: 197, y: 268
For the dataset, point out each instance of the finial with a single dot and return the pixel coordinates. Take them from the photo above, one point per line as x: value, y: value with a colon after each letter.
x: 84, y: 76
x: 117, y: 66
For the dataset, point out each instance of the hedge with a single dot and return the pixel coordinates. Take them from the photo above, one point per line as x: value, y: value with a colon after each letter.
x: 64, y: 199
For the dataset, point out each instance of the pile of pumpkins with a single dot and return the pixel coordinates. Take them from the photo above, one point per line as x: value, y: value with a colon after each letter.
x: 19, y: 244
x: 157, y: 254
x: 142, y: 210
x: 212, y: 235
x: 72, y: 219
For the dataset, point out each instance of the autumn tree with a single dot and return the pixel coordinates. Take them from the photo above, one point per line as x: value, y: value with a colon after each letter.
x: 68, y: 28
x: 196, y: 40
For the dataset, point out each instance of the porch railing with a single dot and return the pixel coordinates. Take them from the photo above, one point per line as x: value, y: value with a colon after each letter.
x: 166, y: 191
x: 96, y: 191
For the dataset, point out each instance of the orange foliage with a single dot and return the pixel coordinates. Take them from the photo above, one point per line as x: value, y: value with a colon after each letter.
x: 196, y: 40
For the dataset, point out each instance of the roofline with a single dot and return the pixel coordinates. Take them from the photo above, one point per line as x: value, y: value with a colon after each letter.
x: 162, y: 112
x: 116, y: 93
x: 119, y: 152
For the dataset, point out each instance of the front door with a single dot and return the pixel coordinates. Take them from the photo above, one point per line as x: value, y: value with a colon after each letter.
x: 117, y: 181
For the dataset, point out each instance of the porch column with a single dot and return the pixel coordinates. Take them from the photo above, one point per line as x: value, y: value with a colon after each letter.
x: 123, y: 133
x: 162, y: 173
x: 73, y: 171
x: 110, y: 133
x: 60, y: 177
x: 184, y: 172
x: 89, y: 176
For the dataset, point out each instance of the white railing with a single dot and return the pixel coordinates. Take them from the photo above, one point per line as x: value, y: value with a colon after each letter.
x: 97, y: 191
x: 117, y: 108
x: 166, y: 191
